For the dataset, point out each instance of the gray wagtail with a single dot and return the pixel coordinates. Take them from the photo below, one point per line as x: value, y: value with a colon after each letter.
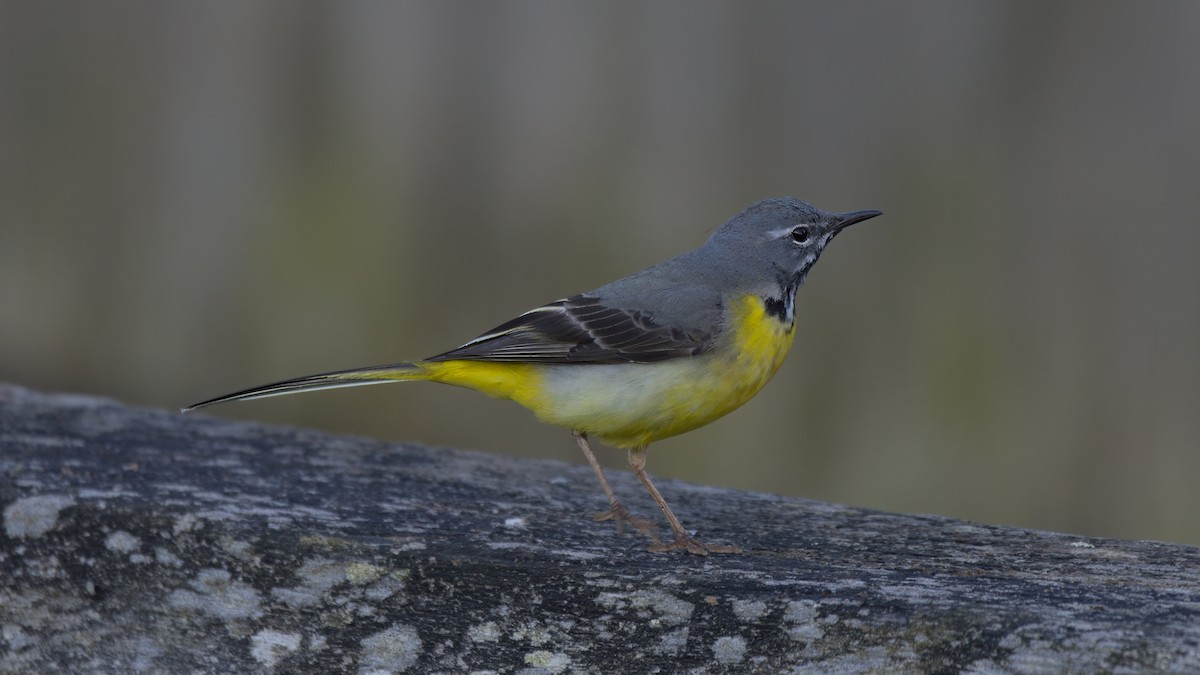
x: 658, y: 353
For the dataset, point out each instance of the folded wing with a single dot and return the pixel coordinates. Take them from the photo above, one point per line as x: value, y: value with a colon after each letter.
x: 584, y: 329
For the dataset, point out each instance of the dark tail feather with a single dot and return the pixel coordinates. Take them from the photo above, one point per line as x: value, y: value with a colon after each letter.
x: 356, y: 377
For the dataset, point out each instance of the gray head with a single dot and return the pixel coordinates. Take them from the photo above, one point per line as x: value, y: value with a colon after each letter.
x: 783, y: 236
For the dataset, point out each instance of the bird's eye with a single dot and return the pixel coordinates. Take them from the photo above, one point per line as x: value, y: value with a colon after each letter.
x: 800, y: 234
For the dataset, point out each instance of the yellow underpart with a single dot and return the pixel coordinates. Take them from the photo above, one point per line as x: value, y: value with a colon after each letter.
x: 520, y: 382
x: 634, y: 404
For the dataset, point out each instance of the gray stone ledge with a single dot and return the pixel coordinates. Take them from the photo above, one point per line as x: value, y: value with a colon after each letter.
x: 143, y: 540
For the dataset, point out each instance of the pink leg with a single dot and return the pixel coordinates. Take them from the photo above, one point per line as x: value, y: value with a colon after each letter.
x: 616, y: 511
x: 683, y: 540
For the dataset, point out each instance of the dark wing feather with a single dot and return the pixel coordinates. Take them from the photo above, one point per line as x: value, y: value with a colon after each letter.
x: 583, y: 329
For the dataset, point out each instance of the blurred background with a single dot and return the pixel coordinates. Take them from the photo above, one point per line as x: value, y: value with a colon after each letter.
x: 198, y: 197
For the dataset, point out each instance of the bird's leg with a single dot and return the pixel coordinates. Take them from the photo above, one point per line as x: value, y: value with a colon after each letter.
x: 616, y: 511
x: 683, y: 540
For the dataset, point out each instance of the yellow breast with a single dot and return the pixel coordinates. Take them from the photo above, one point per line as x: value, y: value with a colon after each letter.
x: 726, y: 377
x: 634, y: 404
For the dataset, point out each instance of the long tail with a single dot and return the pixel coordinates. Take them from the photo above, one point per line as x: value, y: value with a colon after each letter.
x: 355, y: 377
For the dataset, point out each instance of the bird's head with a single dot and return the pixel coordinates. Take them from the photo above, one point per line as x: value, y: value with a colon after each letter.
x: 782, y: 237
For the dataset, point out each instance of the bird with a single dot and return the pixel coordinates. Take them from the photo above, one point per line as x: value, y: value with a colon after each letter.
x: 652, y: 355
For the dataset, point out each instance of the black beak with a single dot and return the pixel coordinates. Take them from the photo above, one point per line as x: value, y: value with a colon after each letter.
x: 844, y: 220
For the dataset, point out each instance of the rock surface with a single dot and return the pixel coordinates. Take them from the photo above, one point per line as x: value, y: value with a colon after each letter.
x: 144, y: 540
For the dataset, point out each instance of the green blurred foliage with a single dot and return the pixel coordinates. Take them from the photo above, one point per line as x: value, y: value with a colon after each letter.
x: 198, y: 197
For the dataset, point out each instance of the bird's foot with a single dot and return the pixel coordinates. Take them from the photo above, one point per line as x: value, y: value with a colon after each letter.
x: 694, y: 546
x: 618, y: 514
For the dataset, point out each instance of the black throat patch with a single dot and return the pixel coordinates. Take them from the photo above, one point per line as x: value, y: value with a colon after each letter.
x: 782, y: 307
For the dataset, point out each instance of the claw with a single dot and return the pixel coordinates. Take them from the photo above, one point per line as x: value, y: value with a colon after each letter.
x: 622, y: 517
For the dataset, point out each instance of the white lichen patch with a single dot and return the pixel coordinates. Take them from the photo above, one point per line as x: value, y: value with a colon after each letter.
x: 90, y: 493
x: 321, y: 574
x: 42, y: 567
x: 269, y: 646
x: 185, y: 523
x: 535, y: 634
x: 122, y: 542
x: 295, y: 598
x: 359, y: 573
x: 16, y: 638
x: 508, y: 545
x: 805, y: 632
x: 673, y: 643
x: 800, y: 611
x: 393, y: 650
x: 749, y: 610
x: 653, y: 605
x: 218, y: 595
x: 145, y: 656
x: 801, y: 615
x: 484, y: 632
x: 729, y: 650
x: 242, y: 550
x: 164, y: 557
x: 384, y: 588
x: 549, y: 662
x: 575, y: 554
x: 31, y: 517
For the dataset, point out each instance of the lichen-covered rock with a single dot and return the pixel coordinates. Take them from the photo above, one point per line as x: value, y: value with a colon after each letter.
x: 140, y: 540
